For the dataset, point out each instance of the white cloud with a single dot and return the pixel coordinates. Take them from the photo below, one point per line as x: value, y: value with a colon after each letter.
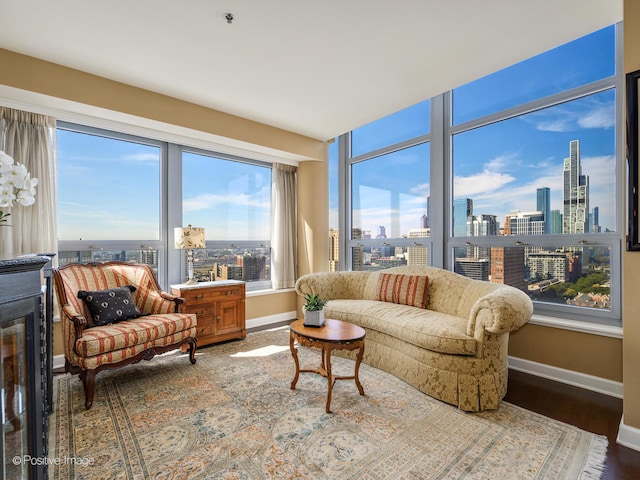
x: 558, y: 125
x: 423, y: 189
x: 142, y: 157
x: 589, y: 112
x: 396, y: 223
x: 601, y: 171
x: 209, y: 201
x: 489, y: 180
x: 522, y: 197
x: 602, y: 117
x: 89, y: 222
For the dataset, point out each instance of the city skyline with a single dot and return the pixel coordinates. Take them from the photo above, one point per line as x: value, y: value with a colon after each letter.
x: 540, y: 196
x: 497, y: 187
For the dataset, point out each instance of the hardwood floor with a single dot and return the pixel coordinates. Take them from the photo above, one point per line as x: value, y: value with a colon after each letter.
x: 587, y: 410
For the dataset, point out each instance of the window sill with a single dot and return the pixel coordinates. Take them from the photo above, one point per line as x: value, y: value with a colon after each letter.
x: 268, y: 291
x: 577, y: 326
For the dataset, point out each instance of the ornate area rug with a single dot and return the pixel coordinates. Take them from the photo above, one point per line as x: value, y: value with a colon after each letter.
x: 232, y: 415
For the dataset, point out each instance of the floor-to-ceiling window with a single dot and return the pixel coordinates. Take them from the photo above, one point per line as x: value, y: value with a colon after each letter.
x: 231, y: 199
x: 109, y: 196
x: 119, y: 197
x: 521, y: 191
x: 389, y: 191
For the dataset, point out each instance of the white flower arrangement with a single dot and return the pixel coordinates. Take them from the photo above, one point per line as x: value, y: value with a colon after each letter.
x: 16, y: 185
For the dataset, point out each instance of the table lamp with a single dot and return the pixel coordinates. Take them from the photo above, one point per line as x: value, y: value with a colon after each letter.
x: 188, y: 238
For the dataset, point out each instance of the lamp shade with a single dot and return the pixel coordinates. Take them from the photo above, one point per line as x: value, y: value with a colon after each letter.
x: 189, y: 237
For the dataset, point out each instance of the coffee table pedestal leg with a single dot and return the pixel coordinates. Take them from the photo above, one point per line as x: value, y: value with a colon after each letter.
x: 294, y: 353
x: 325, y: 364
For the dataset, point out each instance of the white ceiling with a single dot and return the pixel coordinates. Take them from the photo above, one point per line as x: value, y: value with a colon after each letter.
x: 315, y: 67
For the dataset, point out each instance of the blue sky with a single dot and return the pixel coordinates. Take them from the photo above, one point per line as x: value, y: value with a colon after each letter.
x: 107, y: 189
x: 110, y: 189
x: 231, y: 200
x: 499, y: 166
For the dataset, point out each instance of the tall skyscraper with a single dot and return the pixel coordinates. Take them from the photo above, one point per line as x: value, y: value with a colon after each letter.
x: 507, y: 266
x: 334, y: 250
x: 575, y: 193
x: 526, y: 223
x: 507, y: 222
x: 382, y: 232
x: 418, y: 254
x: 478, y: 269
x: 462, y: 209
x: 357, y: 253
x: 548, y: 266
x: 425, y: 220
x: 226, y: 272
x: 253, y: 267
x: 543, y: 204
x: 482, y: 225
x: 555, y: 223
x: 594, y: 220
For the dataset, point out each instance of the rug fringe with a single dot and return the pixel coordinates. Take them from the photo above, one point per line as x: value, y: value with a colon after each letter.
x: 595, y: 462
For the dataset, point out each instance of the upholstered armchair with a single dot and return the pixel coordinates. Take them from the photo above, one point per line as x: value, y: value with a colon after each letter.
x: 114, y: 314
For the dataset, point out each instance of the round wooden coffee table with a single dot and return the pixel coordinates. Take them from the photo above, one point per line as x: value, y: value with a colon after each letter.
x: 334, y: 335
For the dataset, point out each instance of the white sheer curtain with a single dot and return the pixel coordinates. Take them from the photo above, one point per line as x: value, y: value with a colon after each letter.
x: 30, y: 139
x: 283, y: 223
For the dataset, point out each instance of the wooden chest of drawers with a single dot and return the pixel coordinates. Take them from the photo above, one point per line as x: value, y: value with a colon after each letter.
x: 219, y: 307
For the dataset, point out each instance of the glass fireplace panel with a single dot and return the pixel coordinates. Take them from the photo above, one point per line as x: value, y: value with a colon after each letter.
x: 13, y: 401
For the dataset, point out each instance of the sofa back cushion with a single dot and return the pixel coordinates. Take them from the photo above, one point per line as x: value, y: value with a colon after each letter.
x: 403, y: 289
x: 448, y: 292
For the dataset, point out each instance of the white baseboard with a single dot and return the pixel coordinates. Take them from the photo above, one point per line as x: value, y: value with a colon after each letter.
x: 58, y: 360
x: 628, y: 436
x: 270, y: 319
x: 577, y: 379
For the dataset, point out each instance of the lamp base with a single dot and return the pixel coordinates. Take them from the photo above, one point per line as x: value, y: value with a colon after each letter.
x: 190, y: 280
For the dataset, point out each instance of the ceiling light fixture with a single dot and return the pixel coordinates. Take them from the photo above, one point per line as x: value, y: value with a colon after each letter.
x: 229, y: 17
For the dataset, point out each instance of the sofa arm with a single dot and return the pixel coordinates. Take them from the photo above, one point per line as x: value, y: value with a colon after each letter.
x: 501, y: 311
x: 332, y: 285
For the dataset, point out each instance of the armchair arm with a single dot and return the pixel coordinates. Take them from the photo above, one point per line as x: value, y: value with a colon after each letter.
x: 173, y: 298
x: 504, y: 310
x: 150, y: 299
x: 79, y: 323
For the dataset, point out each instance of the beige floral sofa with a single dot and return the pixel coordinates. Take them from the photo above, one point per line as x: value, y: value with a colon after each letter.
x: 441, y: 332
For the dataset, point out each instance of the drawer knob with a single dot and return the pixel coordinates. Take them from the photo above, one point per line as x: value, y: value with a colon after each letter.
x: 229, y: 292
x: 198, y: 297
x: 218, y: 319
x: 200, y: 312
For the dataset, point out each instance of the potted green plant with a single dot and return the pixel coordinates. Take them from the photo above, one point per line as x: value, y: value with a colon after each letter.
x: 313, y: 310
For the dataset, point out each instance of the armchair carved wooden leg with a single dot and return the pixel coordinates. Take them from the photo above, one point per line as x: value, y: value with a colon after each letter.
x: 193, y: 342
x: 88, y: 378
